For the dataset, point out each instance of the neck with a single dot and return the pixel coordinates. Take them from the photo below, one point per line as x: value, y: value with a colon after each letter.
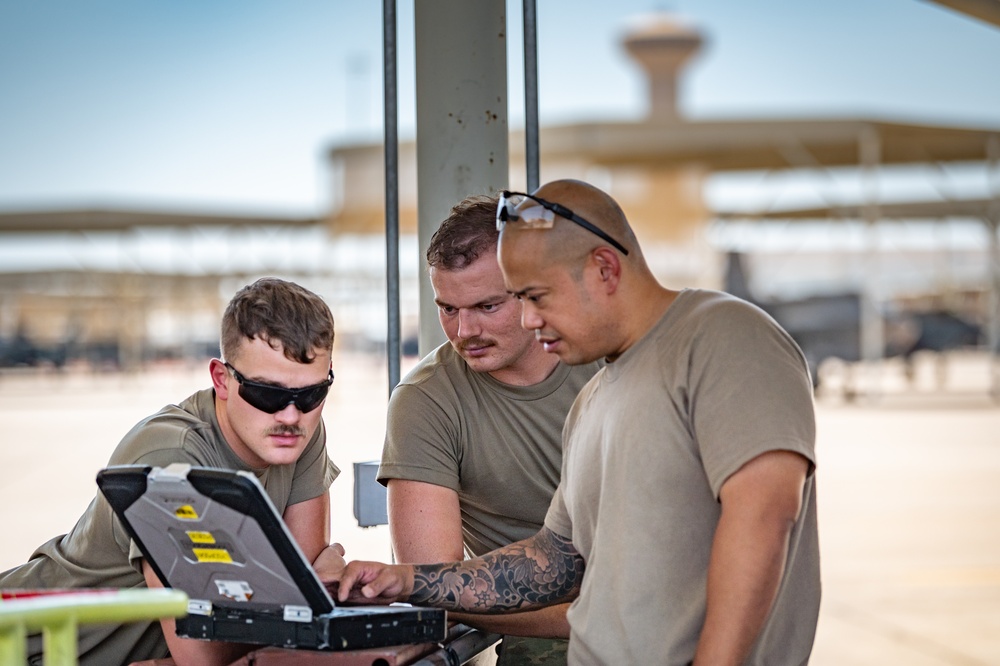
x: 642, y: 318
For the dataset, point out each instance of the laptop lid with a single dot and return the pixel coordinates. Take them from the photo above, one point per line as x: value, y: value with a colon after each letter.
x: 216, y: 535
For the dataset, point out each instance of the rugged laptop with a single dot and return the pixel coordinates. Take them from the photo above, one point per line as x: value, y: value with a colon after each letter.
x: 216, y: 535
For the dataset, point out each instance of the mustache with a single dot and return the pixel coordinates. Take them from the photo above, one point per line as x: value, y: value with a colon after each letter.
x: 284, y: 430
x: 476, y: 342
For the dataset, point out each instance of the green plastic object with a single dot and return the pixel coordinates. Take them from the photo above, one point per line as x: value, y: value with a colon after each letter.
x: 57, y: 616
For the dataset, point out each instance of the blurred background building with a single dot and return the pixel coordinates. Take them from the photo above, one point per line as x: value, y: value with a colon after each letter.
x: 864, y: 235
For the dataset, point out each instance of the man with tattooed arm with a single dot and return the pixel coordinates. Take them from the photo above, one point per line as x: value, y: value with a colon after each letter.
x: 473, y: 434
x: 684, y: 526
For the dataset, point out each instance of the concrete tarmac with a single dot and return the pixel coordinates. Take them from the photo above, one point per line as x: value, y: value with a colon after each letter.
x: 908, y: 489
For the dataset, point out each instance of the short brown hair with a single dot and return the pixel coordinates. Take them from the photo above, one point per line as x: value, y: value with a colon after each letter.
x: 468, y: 232
x: 278, y: 312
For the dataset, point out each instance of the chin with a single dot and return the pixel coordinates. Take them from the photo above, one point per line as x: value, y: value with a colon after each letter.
x: 283, y: 456
x: 483, y: 364
x: 571, y: 357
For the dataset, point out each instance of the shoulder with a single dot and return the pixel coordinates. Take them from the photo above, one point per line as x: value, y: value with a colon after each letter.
x: 727, y: 333
x: 708, y: 302
x: 168, y: 434
x: 705, y: 313
x: 441, y: 377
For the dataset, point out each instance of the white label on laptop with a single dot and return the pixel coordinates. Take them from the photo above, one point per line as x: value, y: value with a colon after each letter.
x: 237, y: 590
x: 199, y: 607
x: 298, y: 614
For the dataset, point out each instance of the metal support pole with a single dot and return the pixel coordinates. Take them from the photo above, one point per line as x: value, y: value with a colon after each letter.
x: 993, y: 308
x: 461, y: 77
x: 531, y: 149
x: 993, y: 226
x: 391, y: 120
x: 872, y: 326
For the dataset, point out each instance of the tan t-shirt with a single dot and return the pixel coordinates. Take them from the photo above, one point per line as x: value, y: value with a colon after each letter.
x: 648, y: 445
x: 98, y: 551
x: 498, y: 446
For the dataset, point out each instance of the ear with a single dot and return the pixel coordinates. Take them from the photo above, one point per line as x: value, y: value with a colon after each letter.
x: 609, y: 267
x: 220, y: 376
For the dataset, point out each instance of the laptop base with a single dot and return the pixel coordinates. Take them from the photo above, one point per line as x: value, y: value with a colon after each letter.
x: 354, y: 630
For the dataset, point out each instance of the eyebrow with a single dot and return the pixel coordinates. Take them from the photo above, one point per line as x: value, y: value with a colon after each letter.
x: 523, y: 292
x: 487, y: 301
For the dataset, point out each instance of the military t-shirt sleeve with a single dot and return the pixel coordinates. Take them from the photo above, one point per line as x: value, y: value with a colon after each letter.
x: 557, y: 518
x: 751, y: 392
x: 421, y: 440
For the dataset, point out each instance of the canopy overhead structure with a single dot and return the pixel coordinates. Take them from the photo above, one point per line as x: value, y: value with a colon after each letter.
x: 770, y: 144
x: 108, y: 219
x: 930, y: 211
x: 984, y: 10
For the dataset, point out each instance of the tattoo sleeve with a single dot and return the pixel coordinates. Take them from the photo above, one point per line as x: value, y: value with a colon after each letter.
x: 540, y: 571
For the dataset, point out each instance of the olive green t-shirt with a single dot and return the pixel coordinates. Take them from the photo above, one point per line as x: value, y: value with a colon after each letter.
x: 98, y: 552
x: 498, y: 446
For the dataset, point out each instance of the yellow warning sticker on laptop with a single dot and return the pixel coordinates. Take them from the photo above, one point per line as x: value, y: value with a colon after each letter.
x: 201, y: 537
x: 213, y: 555
x: 186, y: 512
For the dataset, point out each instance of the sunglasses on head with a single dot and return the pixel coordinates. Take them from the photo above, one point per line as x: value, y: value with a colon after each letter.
x: 271, y: 399
x: 516, y: 207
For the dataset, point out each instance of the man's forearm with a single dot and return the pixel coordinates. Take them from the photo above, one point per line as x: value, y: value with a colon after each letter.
x: 741, y: 589
x: 547, y: 622
x: 540, y: 571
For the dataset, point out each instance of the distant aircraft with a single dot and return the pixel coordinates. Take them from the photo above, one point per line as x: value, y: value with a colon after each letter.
x: 829, y: 326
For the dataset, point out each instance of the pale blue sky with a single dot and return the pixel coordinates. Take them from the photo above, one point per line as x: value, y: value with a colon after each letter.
x: 231, y: 104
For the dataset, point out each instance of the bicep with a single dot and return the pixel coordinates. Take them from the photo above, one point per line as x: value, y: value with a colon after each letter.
x: 768, y: 487
x: 309, y: 523
x: 425, y: 522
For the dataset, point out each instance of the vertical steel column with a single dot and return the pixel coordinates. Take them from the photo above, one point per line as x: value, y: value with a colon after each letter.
x: 391, y: 138
x: 872, y: 326
x: 993, y: 307
x: 531, y: 149
x: 461, y: 77
x: 993, y: 227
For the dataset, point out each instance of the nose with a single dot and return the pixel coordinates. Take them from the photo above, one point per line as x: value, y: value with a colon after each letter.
x: 530, y: 319
x: 290, y: 414
x: 468, y: 325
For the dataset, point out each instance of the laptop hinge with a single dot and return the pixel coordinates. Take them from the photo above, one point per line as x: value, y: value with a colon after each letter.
x: 298, y: 614
x: 172, y: 472
x: 199, y: 607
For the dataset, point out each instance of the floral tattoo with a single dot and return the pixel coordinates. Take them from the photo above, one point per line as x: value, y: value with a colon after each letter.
x: 542, y: 570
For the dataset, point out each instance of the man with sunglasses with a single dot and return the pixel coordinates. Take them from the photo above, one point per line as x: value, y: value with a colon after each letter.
x: 473, y: 449
x: 684, y: 524
x: 262, y: 414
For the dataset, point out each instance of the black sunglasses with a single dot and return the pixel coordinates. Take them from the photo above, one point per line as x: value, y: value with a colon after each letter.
x: 271, y: 399
x: 510, y: 208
